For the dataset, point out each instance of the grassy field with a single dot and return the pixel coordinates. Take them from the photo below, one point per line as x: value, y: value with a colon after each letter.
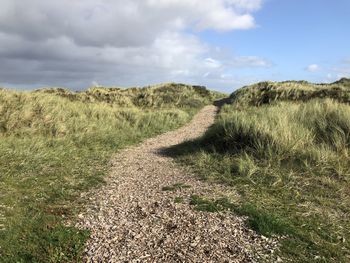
x: 284, y: 147
x: 55, y: 144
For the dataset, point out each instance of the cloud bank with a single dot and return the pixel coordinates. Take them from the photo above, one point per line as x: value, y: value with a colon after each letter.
x: 113, y: 42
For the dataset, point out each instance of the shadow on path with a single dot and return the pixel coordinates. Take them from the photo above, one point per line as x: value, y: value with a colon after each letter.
x: 193, y: 146
x: 222, y: 102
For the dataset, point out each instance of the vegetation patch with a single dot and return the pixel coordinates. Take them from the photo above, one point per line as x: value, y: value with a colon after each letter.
x: 179, y: 200
x: 288, y: 158
x: 208, y: 205
x: 262, y: 222
x: 268, y: 92
x: 56, y: 144
x: 175, y: 187
x: 157, y: 96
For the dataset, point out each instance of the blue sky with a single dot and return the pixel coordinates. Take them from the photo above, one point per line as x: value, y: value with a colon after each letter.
x: 293, y: 35
x: 223, y: 44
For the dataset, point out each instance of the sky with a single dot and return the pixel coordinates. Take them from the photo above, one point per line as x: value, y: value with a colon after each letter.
x: 222, y: 44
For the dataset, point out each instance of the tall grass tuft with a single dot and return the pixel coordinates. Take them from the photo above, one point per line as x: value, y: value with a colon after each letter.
x: 268, y: 92
x: 285, y: 149
x: 55, y: 144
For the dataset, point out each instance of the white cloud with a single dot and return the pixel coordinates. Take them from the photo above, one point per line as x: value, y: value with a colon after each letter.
x: 212, y: 63
x: 248, y: 5
x: 338, y: 71
x: 250, y: 61
x: 341, y: 69
x: 73, y: 43
x: 119, y: 22
x: 313, y: 68
x: 343, y: 72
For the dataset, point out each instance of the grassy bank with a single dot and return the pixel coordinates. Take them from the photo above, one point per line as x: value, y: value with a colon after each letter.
x: 288, y: 158
x: 54, y: 144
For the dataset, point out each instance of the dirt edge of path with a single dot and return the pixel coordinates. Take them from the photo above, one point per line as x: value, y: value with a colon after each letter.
x: 142, y: 213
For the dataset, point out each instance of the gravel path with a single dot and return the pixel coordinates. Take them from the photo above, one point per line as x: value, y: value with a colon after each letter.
x: 132, y: 219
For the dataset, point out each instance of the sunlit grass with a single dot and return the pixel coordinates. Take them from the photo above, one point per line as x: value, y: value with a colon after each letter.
x: 55, y: 144
x: 289, y: 161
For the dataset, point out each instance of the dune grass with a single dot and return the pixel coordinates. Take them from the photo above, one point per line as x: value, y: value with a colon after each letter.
x: 56, y: 144
x: 157, y: 96
x: 298, y: 91
x: 289, y: 161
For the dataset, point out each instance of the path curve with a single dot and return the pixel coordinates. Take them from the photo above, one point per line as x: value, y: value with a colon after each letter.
x: 132, y: 219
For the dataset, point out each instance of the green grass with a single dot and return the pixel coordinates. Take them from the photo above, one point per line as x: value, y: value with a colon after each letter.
x: 207, y: 205
x: 157, y: 96
x: 174, y: 187
x: 289, y: 160
x: 56, y: 144
x: 262, y: 222
x: 299, y: 91
x: 179, y: 200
